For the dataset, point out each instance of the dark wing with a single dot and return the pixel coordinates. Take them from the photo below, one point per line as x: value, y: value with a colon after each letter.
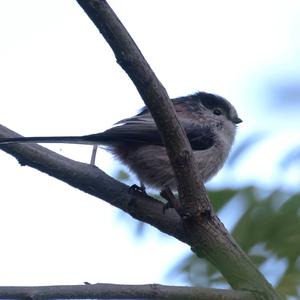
x: 139, y: 129
x: 135, y: 130
x: 142, y: 130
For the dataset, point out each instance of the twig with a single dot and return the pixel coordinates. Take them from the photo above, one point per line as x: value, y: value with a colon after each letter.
x: 94, y: 153
x: 118, y: 291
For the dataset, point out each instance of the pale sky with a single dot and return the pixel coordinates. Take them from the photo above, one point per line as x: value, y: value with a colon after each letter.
x: 59, y: 77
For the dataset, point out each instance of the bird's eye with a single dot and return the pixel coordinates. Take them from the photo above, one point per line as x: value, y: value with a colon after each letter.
x: 217, y: 111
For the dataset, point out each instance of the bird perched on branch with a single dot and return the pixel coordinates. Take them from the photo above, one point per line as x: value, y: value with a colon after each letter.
x: 208, y: 120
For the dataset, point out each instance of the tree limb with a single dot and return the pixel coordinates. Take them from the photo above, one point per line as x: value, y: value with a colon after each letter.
x: 118, y: 291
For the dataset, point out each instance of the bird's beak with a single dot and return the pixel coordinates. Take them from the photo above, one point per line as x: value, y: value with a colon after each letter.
x: 237, y: 120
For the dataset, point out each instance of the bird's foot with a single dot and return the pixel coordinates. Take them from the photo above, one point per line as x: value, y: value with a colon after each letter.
x: 136, y: 188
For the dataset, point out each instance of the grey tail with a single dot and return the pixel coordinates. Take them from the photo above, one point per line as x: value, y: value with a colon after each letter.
x: 53, y: 139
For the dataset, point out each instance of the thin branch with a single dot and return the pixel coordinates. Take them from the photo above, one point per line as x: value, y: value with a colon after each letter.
x: 118, y: 291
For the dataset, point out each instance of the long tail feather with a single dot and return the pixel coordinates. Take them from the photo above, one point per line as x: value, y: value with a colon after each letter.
x: 49, y: 139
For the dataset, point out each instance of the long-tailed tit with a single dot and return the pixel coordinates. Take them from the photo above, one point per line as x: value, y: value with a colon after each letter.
x: 209, y: 122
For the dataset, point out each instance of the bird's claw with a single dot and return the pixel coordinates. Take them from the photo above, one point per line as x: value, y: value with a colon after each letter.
x: 136, y: 188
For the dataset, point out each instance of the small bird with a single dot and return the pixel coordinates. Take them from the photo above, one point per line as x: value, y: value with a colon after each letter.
x: 208, y: 120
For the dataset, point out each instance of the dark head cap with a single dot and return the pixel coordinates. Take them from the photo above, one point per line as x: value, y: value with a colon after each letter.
x: 212, y: 101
